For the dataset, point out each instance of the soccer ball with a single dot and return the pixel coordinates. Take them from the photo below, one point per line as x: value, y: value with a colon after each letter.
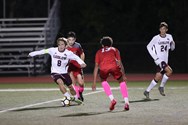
x: 65, y: 101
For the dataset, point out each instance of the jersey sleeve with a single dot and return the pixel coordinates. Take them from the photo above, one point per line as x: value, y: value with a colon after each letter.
x: 73, y: 56
x: 150, y: 48
x: 172, y: 43
x: 40, y: 52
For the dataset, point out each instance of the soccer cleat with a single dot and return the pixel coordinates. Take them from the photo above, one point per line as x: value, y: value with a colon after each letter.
x: 81, y: 97
x: 146, y: 94
x: 126, y: 107
x: 161, y: 90
x: 112, y: 104
x: 79, y: 102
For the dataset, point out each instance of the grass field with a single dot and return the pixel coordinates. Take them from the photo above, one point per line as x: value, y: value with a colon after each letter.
x: 39, y: 104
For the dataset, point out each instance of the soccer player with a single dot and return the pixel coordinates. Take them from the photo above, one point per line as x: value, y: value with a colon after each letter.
x: 76, y: 73
x: 158, y: 48
x: 108, y: 60
x: 60, y: 57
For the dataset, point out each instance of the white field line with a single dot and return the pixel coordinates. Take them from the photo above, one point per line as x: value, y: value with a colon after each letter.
x: 56, y: 89
x: 41, y: 103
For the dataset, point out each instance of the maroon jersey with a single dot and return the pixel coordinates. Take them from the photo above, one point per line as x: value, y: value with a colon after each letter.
x: 107, y: 58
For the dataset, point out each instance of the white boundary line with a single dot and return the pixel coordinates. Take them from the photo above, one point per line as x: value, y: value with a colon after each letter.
x: 56, y: 89
x: 51, y: 89
x: 41, y: 103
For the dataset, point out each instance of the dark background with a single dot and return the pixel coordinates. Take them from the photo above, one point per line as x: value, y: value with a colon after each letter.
x: 131, y: 24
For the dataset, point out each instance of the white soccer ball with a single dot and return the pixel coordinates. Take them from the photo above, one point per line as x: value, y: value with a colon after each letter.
x: 65, y: 101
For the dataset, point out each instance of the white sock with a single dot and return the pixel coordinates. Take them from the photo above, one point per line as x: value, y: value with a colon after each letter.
x: 67, y: 94
x: 126, y: 100
x: 111, y: 97
x: 151, y: 86
x: 164, y: 80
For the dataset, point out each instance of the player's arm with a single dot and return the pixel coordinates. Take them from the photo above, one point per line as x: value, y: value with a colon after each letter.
x: 120, y: 64
x: 122, y: 70
x: 82, y: 56
x: 150, y: 48
x: 95, y: 72
x: 40, y: 52
x: 78, y: 59
x: 172, y: 43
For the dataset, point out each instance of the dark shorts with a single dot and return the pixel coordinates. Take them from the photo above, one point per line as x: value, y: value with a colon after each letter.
x: 162, y: 68
x: 65, y: 77
x: 115, y: 72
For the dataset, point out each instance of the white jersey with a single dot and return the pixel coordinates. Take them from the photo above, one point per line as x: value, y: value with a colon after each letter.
x: 159, y: 47
x: 59, y: 60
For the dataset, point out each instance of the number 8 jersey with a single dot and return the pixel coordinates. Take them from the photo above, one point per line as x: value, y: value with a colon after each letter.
x: 159, y: 47
x: 59, y: 60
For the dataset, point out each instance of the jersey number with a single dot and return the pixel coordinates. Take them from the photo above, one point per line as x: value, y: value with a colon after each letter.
x: 163, y: 48
x: 58, y: 62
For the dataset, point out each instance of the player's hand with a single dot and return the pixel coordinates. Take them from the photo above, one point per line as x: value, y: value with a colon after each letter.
x: 83, y: 65
x: 93, y: 87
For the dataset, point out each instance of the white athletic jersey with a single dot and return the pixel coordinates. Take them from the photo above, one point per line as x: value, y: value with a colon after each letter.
x: 59, y: 60
x: 159, y: 47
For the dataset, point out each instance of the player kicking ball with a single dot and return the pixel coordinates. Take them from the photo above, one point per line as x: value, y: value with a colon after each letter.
x: 60, y: 57
x: 108, y: 60
x: 158, y: 48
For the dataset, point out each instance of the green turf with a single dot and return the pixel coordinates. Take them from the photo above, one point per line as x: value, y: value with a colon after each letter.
x: 113, y: 84
x: 169, y: 110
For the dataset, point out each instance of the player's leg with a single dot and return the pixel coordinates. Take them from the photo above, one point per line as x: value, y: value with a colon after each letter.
x: 166, y: 76
x: 76, y: 88
x: 58, y: 79
x: 80, y: 80
x: 67, y: 80
x: 117, y: 74
x: 107, y: 89
x: 153, y: 83
x: 62, y: 87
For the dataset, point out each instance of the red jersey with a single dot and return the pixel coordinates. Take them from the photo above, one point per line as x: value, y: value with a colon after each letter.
x: 76, y: 49
x: 107, y: 57
x: 73, y: 65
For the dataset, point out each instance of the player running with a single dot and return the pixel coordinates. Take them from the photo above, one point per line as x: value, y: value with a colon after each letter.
x: 60, y: 57
x: 76, y: 73
x: 158, y: 48
x: 108, y: 60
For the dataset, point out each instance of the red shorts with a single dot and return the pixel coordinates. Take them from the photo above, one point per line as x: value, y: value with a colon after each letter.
x: 75, y: 68
x: 115, y: 72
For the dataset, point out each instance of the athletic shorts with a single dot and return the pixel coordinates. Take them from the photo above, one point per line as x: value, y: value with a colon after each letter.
x: 115, y: 72
x: 162, y: 68
x: 65, y: 77
x: 73, y: 67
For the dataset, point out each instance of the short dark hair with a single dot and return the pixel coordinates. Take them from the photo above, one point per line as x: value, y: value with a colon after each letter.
x: 61, y: 39
x: 71, y: 34
x: 106, y: 41
x: 163, y: 24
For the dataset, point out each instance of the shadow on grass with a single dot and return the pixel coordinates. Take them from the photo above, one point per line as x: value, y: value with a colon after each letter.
x: 143, y: 100
x: 42, y: 108
x: 90, y: 113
